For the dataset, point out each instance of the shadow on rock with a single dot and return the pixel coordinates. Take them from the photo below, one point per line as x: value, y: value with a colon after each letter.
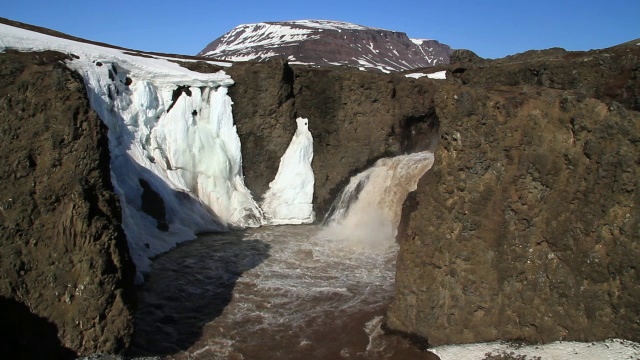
x: 188, y: 288
x: 24, y: 335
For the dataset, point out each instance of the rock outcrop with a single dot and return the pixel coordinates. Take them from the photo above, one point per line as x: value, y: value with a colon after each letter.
x: 327, y: 43
x: 355, y: 117
x: 66, y: 279
x: 527, y: 226
x: 610, y: 74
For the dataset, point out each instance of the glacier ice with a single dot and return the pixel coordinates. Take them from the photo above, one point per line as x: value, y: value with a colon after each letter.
x: 172, y: 130
x: 186, y: 148
x: 289, y: 197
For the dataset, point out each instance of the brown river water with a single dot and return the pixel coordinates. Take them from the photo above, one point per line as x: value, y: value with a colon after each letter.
x: 285, y: 292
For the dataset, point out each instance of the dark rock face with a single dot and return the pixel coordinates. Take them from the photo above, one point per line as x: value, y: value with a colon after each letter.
x: 611, y: 74
x: 64, y: 254
x: 24, y: 335
x: 527, y: 226
x: 355, y: 118
x: 324, y: 43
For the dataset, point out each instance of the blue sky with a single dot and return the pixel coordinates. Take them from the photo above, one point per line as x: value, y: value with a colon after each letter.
x: 491, y: 28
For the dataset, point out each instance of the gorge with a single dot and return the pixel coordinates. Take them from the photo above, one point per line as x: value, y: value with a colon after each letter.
x: 487, y: 246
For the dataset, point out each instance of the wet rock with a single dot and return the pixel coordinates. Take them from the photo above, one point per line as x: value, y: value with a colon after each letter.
x: 64, y: 254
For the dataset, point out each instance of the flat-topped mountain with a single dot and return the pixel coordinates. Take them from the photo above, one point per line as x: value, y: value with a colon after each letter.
x: 322, y: 43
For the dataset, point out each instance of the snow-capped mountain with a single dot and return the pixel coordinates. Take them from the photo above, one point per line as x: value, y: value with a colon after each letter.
x: 322, y: 43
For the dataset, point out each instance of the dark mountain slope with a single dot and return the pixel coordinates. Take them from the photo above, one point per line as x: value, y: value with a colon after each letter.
x: 322, y: 43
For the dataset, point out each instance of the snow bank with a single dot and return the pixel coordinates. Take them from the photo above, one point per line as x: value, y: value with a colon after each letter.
x: 171, y: 133
x: 613, y: 349
x: 438, y: 75
x: 290, y: 194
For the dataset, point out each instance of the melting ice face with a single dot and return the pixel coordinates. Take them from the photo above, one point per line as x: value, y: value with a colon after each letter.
x: 172, y: 137
x: 290, y: 195
x: 181, y: 140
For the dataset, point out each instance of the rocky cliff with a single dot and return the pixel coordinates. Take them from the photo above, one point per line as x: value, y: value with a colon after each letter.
x: 610, y: 74
x: 68, y: 268
x: 66, y: 279
x: 325, y: 43
x: 527, y: 226
x: 355, y: 117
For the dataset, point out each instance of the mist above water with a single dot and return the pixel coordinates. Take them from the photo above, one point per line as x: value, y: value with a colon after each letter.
x: 367, y: 212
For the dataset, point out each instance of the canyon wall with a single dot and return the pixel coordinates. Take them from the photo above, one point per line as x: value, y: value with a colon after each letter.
x: 527, y: 226
x: 66, y: 278
x: 355, y: 118
x: 67, y: 267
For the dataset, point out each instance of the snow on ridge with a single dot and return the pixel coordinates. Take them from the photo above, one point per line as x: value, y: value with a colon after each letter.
x: 274, y: 34
x: 438, y: 75
x: 150, y: 68
x: 245, y: 37
x: 265, y: 40
x: 329, y: 25
x: 419, y: 42
x: 171, y: 131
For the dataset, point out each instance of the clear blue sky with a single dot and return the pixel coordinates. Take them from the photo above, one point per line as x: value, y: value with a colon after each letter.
x: 491, y: 28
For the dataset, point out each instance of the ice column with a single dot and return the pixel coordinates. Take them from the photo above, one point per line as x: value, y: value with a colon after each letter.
x: 290, y: 195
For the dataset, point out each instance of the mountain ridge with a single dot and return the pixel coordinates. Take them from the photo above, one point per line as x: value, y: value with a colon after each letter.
x: 327, y: 42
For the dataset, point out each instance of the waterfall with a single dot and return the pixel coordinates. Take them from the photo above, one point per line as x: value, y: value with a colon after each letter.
x: 367, y: 212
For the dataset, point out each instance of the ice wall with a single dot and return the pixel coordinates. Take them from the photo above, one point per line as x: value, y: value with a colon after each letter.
x: 367, y: 212
x: 171, y: 131
x: 181, y: 140
x: 173, y: 142
x: 290, y: 195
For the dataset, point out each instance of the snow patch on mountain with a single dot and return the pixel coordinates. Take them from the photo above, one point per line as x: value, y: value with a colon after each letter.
x: 420, y: 41
x: 261, y: 34
x: 329, y: 25
x: 439, y: 75
x: 326, y: 43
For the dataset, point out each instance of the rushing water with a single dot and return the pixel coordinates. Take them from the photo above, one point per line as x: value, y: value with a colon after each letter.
x: 286, y: 292
x: 282, y: 292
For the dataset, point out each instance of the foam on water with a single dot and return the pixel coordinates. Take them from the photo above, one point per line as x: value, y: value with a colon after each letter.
x: 291, y: 291
x: 298, y: 289
x: 367, y: 212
